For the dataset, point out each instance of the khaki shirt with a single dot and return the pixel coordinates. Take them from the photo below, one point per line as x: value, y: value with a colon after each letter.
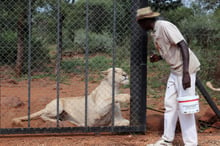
x: 166, y: 36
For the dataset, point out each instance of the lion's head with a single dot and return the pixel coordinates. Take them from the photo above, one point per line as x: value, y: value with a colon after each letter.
x: 121, y: 77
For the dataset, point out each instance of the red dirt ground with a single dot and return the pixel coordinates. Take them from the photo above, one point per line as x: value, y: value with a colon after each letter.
x: 14, y: 103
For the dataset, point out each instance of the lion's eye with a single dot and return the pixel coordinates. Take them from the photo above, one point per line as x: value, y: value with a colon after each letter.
x: 124, y: 75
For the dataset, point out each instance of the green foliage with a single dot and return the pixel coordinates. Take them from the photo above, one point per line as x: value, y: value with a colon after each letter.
x: 217, y: 15
x: 199, y: 24
x: 73, y: 66
x: 200, y: 29
x: 157, y: 76
x: 203, y: 33
x: 8, y: 49
x: 178, y: 14
x: 97, y: 42
x: 100, y: 19
x: 164, y: 5
x: 77, y: 65
x: 39, y: 57
x: 99, y: 13
x: 209, y: 59
x: 44, y: 27
x: 209, y: 4
x: 99, y: 63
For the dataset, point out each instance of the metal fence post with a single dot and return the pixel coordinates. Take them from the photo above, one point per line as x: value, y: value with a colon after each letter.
x: 29, y: 59
x: 86, y: 60
x: 138, y: 69
x: 58, y: 59
x: 113, y: 62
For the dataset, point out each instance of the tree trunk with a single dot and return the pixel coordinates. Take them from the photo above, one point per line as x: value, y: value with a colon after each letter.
x: 20, y: 44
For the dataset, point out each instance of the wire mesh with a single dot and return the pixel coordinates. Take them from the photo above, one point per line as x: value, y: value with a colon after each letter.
x: 53, y: 50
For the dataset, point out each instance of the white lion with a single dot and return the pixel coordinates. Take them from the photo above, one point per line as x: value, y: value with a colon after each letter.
x: 99, y: 105
x: 209, y: 84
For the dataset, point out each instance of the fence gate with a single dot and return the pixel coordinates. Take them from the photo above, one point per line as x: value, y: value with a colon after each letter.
x: 57, y: 48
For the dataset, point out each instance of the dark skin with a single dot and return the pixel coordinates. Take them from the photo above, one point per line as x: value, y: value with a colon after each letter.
x: 148, y: 24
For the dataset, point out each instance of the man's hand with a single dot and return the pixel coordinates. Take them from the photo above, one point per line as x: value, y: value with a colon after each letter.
x: 186, y: 81
x: 155, y: 58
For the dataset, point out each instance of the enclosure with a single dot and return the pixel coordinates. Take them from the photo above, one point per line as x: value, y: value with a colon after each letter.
x: 58, y: 48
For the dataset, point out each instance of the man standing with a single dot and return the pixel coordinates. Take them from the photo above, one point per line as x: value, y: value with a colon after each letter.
x: 173, y: 48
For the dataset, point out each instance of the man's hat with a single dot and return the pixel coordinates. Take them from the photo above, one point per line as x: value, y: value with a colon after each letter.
x: 146, y: 13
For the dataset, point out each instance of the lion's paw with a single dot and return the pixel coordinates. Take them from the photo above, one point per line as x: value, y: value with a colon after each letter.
x: 122, y: 122
x: 123, y: 97
x: 16, y: 122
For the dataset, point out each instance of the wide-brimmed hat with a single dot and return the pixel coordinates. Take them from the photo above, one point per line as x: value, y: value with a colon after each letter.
x: 146, y: 13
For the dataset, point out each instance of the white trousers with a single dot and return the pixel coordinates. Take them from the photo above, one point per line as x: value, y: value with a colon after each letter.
x: 187, y: 121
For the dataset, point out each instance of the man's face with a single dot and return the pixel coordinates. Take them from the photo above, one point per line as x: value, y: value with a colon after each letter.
x: 145, y: 24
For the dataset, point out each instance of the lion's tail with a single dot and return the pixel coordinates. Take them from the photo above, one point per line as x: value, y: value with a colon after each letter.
x: 18, y: 120
x: 209, y: 84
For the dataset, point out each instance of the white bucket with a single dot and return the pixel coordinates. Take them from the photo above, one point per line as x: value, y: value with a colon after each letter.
x: 188, y: 104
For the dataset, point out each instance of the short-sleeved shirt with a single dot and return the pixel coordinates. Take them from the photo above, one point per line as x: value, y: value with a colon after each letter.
x: 166, y: 37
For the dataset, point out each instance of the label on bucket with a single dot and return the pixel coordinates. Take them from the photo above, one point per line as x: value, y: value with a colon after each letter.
x: 189, y: 109
x: 188, y: 104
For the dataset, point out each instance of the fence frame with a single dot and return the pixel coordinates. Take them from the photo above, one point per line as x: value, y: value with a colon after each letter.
x: 138, y: 122
x: 138, y: 79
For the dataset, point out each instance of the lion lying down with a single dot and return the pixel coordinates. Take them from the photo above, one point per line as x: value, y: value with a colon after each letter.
x: 99, y: 105
x: 209, y: 84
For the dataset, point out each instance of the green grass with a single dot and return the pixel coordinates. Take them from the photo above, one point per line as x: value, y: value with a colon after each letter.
x: 73, y: 66
x: 77, y: 65
x: 99, y: 63
x: 157, y: 75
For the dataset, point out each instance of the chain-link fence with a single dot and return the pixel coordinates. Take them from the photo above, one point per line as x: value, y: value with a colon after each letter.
x: 57, y: 49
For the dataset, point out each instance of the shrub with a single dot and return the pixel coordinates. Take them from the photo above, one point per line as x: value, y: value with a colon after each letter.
x: 99, y: 63
x: 8, y: 49
x: 203, y: 33
x: 73, y: 66
x: 178, y: 14
x: 98, y: 42
x: 39, y: 57
x: 77, y: 65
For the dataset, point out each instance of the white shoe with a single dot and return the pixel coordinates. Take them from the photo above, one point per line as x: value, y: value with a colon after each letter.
x: 161, y: 142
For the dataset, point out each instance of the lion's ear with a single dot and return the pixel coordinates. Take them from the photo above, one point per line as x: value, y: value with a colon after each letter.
x: 104, y: 73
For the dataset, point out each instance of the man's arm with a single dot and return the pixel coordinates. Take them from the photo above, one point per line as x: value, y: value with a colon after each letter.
x: 186, y: 81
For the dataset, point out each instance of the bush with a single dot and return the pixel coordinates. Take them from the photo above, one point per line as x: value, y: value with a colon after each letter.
x: 100, y: 20
x: 77, y: 65
x: 100, y: 15
x: 100, y: 63
x: 178, y: 14
x: 39, y: 57
x: 98, y: 42
x: 73, y: 66
x: 203, y: 33
x: 202, y: 30
x: 8, y: 49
